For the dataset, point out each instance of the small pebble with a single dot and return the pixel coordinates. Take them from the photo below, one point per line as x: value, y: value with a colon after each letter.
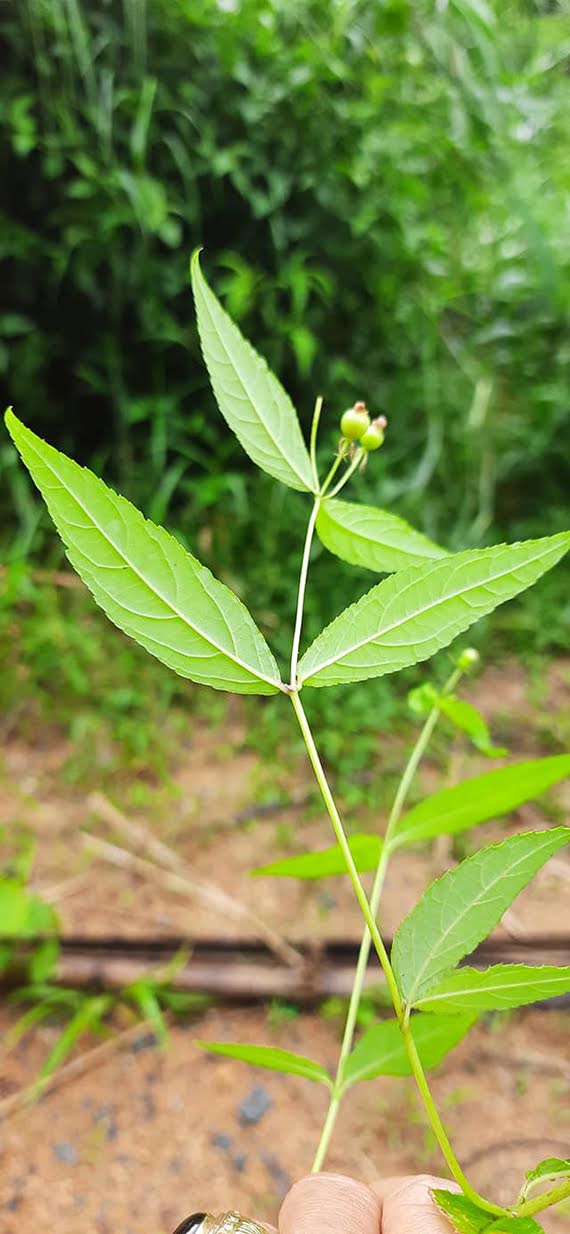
x: 145, y: 1042
x: 65, y: 1151
x: 240, y: 1162
x: 220, y: 1139
x: 277, y: 1174
x: 255, y: 1105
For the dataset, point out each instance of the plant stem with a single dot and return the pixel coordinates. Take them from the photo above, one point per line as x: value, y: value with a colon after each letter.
x: 537, y: 1205
x: 301, y: 592
x: 415, y: 1061
x: 328, y: 1128
x: 341, y: 455
x: 438, y: 1127
x: 346, y: 1047
x: 313, y: 445
x: 345, y: 849
x: 375, y: 897
x: 350, y: 472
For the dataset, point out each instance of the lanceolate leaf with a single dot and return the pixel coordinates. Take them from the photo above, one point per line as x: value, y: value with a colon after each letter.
x: 469, y: 720
x: 376, y: 539
x: 460, y: 909
x: 408, y: 617
x: 270, y: 1058
x: 381, y: 1050
x: 250, y: 398
x: 365, y: 850
x: 551, y: 1170
x: 496, y: 989
x: 145, y: 581
x: 467, y: 1218
x: 481, y: 798
x: 463, y: 715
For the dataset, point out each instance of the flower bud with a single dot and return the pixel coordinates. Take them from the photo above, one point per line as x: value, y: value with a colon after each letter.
x: 354, y: 422
x: 468, y: 659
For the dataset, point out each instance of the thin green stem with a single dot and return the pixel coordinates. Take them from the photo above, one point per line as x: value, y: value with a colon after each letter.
x: 346, y: 1047
x: 415, y: 758
x: 537, y: 1205
x: 301, y: 593
x: 313, y: 443
x: 340, y: 456
x: 438, y: 1127
x: 415, y: 1061
x: 375, y: 897
x: 345, y: 849
x: 350, y: 472
x: 328, y: 1128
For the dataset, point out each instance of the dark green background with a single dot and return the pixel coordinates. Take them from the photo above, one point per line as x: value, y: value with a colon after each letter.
x: 382, y: 193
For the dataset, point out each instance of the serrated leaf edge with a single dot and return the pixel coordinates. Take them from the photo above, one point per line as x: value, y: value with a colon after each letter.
x: 196, y: 267
x: 29, y: 438
x: 408, y: 1000
x: 413, y: 572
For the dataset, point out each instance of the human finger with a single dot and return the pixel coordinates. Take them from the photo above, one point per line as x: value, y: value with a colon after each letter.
x: 407, y: 1205
x: 330, y: 1202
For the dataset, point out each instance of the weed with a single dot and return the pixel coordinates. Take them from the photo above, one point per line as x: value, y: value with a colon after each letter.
x: 169, y: 603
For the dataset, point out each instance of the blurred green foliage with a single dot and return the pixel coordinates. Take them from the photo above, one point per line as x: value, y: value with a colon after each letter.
x: 382, y: 190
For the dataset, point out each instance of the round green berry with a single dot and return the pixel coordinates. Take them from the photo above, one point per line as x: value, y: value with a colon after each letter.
x: 373, y: 437
x: 354, y: 422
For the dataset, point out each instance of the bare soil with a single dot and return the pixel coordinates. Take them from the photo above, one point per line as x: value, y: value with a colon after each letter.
x: 155, y: 1133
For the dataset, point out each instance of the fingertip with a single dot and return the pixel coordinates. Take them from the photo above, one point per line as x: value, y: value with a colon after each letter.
x: 329, y: 1202
x: 407, y: 1204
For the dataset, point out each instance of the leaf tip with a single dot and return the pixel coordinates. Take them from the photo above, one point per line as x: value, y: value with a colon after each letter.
x: 195, y: 268
x: 11, y: 421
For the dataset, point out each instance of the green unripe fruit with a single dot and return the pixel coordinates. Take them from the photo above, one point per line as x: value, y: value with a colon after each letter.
x: 469, y: 658
x: 354, y: 422
x: 373, y: 438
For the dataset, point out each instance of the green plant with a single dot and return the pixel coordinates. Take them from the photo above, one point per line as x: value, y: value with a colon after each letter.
x: 26, y: 919
x: 166, y: 600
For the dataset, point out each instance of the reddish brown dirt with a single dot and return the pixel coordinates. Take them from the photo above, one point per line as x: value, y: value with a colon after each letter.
x: 131, y: 1146
x: 139, y: 1143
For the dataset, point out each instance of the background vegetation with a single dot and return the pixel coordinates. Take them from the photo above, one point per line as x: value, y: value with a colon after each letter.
x: 382, y: 191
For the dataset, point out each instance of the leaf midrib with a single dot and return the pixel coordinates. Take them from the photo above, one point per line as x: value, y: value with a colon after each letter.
x: 235, y: 366
x: 154, y: 590
x: 472, y: 904
x: 412, y: 616
x: 496, y: 988
x: 369, y: 539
